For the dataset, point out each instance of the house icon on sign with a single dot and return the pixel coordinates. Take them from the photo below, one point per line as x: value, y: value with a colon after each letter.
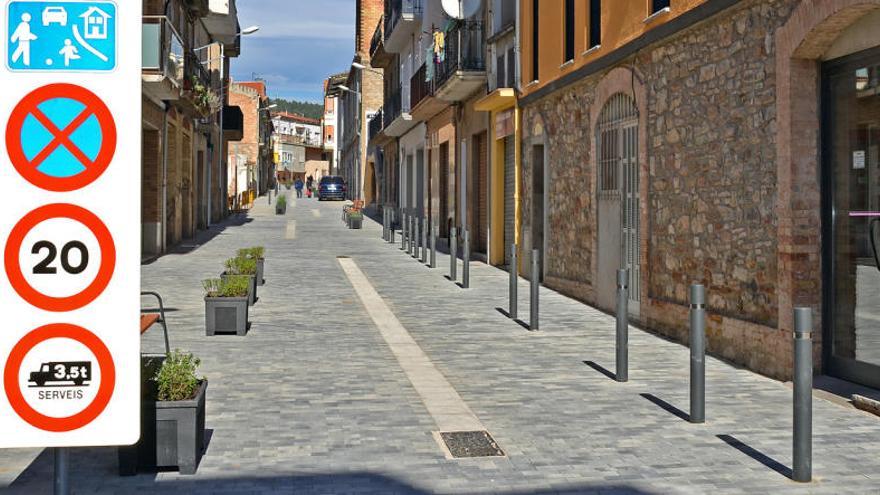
x: 95, y: 23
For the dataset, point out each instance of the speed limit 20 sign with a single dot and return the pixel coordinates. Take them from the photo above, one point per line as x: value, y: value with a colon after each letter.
x: 70, y: 178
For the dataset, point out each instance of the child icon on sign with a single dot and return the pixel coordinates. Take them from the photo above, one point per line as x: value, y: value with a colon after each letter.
x: 23, y: 36
x: 70, y: 52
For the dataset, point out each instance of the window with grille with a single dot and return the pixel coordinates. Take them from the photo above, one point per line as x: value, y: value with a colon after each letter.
x: 595, y: 24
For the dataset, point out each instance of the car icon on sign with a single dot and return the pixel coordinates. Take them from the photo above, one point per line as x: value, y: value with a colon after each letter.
x: 54, y: 15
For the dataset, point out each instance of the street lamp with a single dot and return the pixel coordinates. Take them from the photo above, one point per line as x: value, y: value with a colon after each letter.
x: 360, y: 66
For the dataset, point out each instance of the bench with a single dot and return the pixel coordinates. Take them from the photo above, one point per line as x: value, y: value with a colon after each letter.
x: 150, y: 317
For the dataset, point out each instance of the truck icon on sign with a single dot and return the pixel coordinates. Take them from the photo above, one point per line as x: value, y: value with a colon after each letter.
x: 62, y: 374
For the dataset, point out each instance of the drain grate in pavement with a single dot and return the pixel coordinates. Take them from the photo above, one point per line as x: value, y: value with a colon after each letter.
x: 343, y: 257
x: 470, y: 444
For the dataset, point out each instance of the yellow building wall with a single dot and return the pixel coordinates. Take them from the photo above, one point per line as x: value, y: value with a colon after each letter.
x: 622, y: 22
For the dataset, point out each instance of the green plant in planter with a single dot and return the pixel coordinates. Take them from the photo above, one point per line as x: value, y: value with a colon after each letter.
x: 241, y: 265
x: 235, y: 286
x: 281, y: 202
x: 256, y: 252
x: 176, y: 380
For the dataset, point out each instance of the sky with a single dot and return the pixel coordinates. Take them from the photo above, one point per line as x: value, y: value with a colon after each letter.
x: 299, y: 44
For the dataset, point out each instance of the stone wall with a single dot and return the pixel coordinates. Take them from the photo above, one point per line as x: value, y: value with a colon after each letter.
x: 709, y: 184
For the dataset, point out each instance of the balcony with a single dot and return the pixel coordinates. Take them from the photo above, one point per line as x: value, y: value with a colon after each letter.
x: 397, y: 117
x: 375, y: 126
x: 463, y: 70
x: 379, y: 57
x: 198, y: 95
x: 402, y: 18
x: 423, y: 103
x: 162, y: 58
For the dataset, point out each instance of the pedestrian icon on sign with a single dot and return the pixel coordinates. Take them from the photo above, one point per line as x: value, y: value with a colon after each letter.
x: 22, y: 37
x: 61, y: 36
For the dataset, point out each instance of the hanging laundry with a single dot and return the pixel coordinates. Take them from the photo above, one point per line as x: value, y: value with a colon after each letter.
x: 429, y: 64
x: 439, y: 46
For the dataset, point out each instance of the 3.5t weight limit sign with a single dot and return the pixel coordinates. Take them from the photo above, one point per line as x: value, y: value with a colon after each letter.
x: 70, y: 179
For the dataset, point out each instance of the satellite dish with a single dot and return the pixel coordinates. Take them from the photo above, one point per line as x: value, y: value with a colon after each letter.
x: 461, y: 9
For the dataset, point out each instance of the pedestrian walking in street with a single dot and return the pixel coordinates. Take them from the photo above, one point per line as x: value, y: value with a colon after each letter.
x: 298, y: 185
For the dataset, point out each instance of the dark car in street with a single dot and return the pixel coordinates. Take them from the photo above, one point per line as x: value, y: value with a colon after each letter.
x: 331, y: 187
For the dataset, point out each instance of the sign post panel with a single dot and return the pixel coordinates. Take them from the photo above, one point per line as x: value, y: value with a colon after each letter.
x: 70, y: 175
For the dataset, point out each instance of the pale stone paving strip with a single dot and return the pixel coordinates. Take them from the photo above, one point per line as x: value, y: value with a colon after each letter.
x: 439, y: 396
x: 290, y: 231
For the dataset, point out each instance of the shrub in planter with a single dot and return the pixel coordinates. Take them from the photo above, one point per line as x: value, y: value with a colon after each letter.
x: 256, y: 253
x: 281, y: 205
x: 355, y: 219
x: 226, y: 304
x: 172, y: 417
x: 242, y: 265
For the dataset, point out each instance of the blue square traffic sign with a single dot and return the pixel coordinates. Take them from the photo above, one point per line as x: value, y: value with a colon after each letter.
x: 61, y: 36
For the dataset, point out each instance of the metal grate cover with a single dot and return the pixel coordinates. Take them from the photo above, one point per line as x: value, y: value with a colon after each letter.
x: 471, y: 444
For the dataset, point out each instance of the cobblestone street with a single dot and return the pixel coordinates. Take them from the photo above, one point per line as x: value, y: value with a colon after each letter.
x: 322, y: 396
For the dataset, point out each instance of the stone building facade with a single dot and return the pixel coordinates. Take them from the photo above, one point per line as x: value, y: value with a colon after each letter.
x: 720, y: 110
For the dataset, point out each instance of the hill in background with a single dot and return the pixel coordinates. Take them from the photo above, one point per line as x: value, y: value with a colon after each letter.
x: 304, y: 108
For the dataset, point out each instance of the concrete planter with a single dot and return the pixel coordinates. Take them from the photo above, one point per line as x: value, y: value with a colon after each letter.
x: 180, y: 432
x: 280, y: 209
x: 226, y: 315
x: 355, y: 221
x: 252, y: 286
x: 172, y: 433
x: 260, y: 279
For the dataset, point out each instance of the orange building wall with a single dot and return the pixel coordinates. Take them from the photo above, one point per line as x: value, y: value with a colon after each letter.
x: 622, y: 21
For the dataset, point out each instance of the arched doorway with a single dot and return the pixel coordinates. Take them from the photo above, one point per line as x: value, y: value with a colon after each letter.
x: 836, y: 132
x: 618, y: 186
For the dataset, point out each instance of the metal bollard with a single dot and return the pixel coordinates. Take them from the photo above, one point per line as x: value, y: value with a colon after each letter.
x: 413, y: 235
x: 434, y: 232
x: 402, y: 231
x: 536, y: 285
x: 425, y: 229
x: 622, y: 345
x: 391, y: 234
x: 453, y: 254
x: 513, y: 270
x: 62, y: 471
x: 466, y: 260
x: 698, y: 354
x: 384, y: 224
x: 802, y: 469
x: 417, y: 245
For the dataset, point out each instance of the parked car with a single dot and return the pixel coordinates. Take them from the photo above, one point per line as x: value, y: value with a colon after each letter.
x: 331, y: 187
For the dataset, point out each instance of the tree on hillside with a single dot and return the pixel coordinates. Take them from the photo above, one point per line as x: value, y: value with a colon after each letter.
x: 304, y: 108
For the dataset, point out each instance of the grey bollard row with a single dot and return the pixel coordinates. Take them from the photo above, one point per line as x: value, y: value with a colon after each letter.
x: 698, y: 354
x: 426, y: 228
x: 536, y: 285
x: 513, y: 270
x: 622, y: 342
x: 453, y: 254
x: 466, y: 256
x: 434, y: 233
x: 802, y: 445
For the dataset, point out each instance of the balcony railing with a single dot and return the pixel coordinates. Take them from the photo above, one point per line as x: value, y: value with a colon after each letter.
x: 464, y: 51
x: 419, y: 87
x: 376, y: 125
x: 396, y: 9
x: 163, y: 51
x: 392, y: 108
x: 377, y: 39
